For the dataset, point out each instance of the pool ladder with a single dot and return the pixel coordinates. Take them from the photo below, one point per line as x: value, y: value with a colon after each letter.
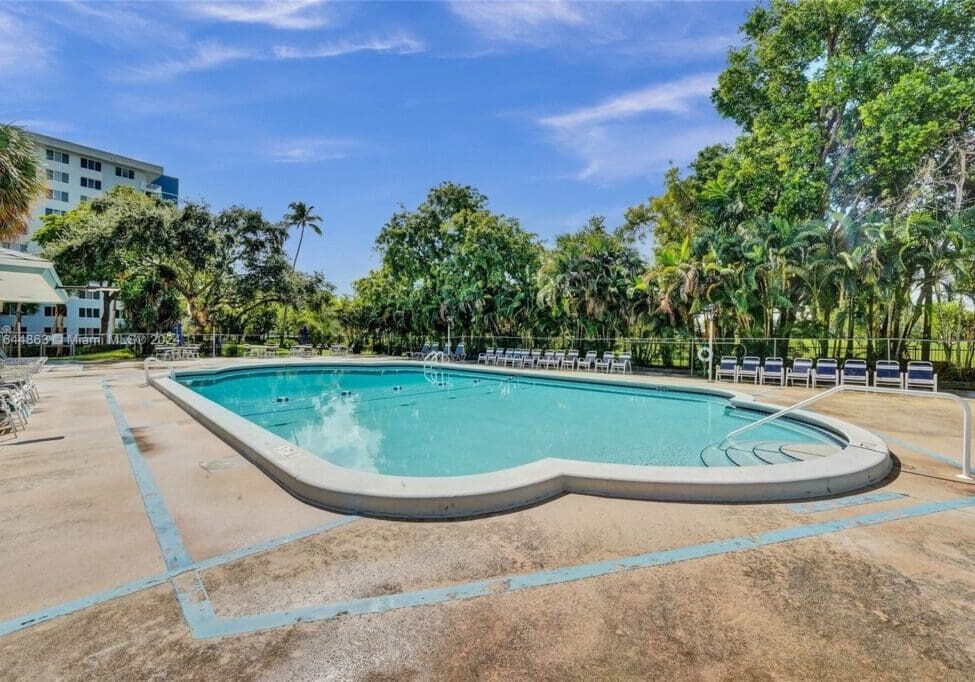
x: 432, y: 370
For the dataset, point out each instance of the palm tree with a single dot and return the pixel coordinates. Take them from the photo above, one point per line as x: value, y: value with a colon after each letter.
x: 301, y: 215
x: 21, y: 181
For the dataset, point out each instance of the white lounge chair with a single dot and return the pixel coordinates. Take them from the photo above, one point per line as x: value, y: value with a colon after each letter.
x: 606, y: 361
x: 547, y: 361
x: 559, y: 359
x: 826, y: 372
x: 727, y: 367
x: 773, y: 370
x: 801, y: 370
x: 888, y: 373
x: 571, y: 360
x: 482, y: 358
x: 920, y: 374
x: 855, y: 372
x: 588, y: 362
x: 622, y: 364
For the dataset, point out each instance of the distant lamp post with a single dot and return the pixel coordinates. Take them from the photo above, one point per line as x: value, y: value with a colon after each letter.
x: 708, y: 315
x: 450, y: 321
x: 776, y: 318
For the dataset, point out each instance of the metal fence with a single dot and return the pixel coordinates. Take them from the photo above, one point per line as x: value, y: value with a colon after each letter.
x: 140, y: 343
x: 955, y: 358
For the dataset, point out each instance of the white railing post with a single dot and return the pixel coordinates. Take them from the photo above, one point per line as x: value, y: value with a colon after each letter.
x: 966, y: 416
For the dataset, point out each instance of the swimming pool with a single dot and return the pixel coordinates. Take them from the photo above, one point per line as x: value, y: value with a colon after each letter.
x: 404, y: 422
x: 395, y: 440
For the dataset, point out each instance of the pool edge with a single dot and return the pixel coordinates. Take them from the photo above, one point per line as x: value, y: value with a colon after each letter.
x: 863, y: 462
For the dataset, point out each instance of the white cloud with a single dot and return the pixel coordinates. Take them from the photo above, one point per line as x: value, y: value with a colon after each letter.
x: 673, y: 97
x: 531, y: 22
x: 613, y: 153
x: 310, y: 149
x: 22, y: 50
x: 284, y: 14
x: 640, y: 132
x: 204, y: 56
x: 211, y: 55
x: 402, y: 44
x: 115, y: 23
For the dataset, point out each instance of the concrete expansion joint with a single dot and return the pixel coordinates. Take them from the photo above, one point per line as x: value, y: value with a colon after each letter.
x: 186, y: 576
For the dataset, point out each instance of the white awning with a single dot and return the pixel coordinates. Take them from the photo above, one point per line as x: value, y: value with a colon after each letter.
x: 28, y: 279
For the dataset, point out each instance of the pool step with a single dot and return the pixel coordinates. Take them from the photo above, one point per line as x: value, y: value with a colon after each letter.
x: 755, y: 453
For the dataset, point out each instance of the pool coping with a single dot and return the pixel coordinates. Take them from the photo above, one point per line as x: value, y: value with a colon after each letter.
x: 864, y: 461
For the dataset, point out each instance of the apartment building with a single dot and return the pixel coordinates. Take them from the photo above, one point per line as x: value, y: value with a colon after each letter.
x: 76, y: 174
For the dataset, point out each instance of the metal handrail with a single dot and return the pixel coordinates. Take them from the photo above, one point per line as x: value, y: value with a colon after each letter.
x: 152, y: 358
x: 966, y: 416
x: 432, y: 357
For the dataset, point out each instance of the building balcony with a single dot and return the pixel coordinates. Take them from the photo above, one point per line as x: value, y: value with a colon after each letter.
x: 152, y: 187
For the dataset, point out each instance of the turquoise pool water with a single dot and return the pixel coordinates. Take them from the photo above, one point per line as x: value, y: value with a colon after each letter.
x: 402, y: 422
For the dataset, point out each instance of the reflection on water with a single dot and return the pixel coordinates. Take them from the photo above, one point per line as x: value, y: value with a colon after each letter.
x: 339, y: 435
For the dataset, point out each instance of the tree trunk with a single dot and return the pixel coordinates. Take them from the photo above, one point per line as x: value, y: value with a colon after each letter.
x: 850, y: 326
x: 928, y: 302
x: 108, y: 300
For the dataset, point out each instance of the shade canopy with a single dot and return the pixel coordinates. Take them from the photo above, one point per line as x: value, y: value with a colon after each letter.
x: 28, y: 279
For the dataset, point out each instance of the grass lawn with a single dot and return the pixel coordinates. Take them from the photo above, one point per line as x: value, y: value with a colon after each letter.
x: 118, y: 354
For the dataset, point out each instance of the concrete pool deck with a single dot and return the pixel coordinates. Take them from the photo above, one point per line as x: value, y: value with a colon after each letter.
x: 252, y: 583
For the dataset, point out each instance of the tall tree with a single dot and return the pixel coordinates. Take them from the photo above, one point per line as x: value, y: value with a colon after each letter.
x: 302, y: 216
x: 21, y: 181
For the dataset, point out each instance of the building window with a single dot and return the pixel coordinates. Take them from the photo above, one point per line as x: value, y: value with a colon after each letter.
x: 83, y: 198
x: 60, y: 157
x: 49, y: 311
x: 91, y: 164
x: 53, y: 211
x: 91, y: 183
x: 89, y: 312
x: 127, y: 173
x: 59, y: 176
x: 57, y: 195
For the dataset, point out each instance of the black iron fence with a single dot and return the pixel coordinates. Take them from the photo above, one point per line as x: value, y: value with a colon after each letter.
x: 954, y: 358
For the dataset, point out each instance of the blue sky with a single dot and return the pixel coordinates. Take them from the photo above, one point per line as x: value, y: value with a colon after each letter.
x: 555, y: 110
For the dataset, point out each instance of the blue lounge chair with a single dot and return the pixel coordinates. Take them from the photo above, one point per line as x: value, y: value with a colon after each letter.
x: 422, y: 353
x: 888, y: 373
x: 751, y: 368
x: 535, y: 358
x: 826, y: 372
x: 801, y: 369
x: 607, y: 361
x: 459, y: 355
x: 727, y: 367
x: 855, y: 372
x: 773, y: 370
x: 920, y: 374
